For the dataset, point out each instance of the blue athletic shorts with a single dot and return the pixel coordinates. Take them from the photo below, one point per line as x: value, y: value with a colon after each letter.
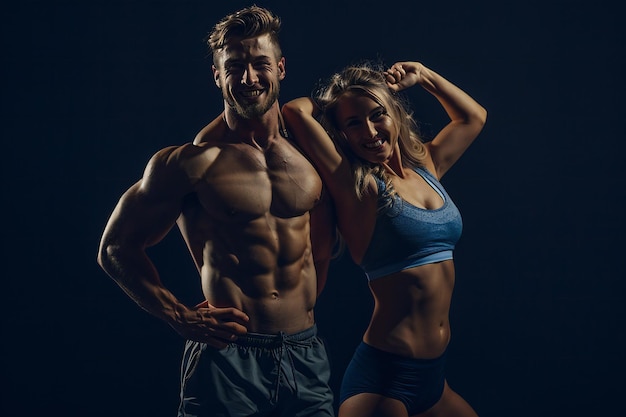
x: 418, y: 383
x: 258, y: 375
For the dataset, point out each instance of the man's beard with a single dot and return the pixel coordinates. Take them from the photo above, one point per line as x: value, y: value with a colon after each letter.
x: 252, y: 111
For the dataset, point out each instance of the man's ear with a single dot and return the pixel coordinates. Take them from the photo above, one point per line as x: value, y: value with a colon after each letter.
x: 281, y: 69
x: 216, y: 76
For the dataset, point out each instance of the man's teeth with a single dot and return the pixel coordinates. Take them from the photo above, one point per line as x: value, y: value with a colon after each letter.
x: 253, y: 93
x: 373, y: 145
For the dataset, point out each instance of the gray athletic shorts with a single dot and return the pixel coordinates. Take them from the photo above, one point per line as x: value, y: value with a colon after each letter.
x: 258, y: 375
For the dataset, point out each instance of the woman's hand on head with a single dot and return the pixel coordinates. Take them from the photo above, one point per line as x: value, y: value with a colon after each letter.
x: 403, y: 75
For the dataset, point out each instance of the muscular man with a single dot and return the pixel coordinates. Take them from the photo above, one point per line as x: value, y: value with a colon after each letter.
x: 249, y: 207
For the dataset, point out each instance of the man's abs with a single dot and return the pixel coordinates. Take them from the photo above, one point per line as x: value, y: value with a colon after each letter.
x: 266, y: 270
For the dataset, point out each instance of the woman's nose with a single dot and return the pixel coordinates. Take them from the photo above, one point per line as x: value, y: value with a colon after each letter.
x: 371, y: 129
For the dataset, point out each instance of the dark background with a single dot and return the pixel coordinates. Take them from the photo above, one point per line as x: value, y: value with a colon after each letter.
x: 91, y: 89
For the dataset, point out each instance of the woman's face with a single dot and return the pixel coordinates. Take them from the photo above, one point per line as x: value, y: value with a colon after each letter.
x: 368, y: 128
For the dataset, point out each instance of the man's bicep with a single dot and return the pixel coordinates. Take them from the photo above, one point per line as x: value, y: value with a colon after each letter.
x: 143, y: 217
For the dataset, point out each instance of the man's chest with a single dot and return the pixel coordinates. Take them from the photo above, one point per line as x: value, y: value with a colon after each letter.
x: 246, y: 181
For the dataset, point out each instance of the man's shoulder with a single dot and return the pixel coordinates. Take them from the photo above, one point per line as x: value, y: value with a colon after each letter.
x: 180, y: 161
x: 175, y: 154
x: 213, y: 133
x: 175, y: 170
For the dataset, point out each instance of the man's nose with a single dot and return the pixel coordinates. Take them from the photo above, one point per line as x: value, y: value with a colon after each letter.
x: 249, y: 76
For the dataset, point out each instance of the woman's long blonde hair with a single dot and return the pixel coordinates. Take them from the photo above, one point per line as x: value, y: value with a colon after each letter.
x: 368, y: 80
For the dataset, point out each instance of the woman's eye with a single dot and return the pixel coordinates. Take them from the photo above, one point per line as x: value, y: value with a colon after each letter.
x: 378, y: 114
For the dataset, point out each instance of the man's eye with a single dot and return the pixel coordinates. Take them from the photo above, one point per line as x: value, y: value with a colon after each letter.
x: 234, y: 68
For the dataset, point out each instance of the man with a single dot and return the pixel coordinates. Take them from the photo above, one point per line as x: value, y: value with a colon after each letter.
x: 250, y: 208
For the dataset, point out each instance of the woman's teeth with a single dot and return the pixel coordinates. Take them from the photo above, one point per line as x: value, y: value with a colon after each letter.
x: 372, y: 145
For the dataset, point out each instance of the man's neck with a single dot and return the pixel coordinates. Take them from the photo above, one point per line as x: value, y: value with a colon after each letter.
x: 260, y: 131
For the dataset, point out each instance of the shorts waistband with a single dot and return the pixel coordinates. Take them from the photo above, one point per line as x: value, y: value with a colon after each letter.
x: 276, y: 340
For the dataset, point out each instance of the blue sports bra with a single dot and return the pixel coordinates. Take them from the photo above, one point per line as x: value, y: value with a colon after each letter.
x: 406, y: 236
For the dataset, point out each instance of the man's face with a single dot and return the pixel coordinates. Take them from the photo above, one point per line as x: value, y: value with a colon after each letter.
x: 249, y: 74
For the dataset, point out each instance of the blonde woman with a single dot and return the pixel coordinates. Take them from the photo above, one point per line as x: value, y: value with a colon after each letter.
x: 398, y: 224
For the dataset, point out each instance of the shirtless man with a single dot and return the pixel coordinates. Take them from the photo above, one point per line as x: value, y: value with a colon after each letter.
x: 249, y: 206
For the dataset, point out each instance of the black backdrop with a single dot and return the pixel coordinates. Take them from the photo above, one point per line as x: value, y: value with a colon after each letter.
x: 91, y: 89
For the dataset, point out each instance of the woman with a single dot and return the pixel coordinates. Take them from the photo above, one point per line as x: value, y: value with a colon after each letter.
x: 398, y: 224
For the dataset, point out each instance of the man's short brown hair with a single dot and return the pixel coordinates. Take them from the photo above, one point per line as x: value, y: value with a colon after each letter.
x: 249, y: 22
